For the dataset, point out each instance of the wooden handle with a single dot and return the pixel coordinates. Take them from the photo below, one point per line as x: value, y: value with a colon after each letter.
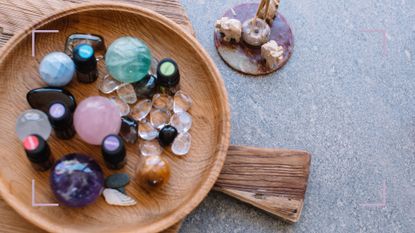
x: 274, y: 180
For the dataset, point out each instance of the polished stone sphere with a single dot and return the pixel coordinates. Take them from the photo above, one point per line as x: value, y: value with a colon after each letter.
x: 76, y: 180
x: 95, y: 118
x: 128, y: 59
x: 57, y: 69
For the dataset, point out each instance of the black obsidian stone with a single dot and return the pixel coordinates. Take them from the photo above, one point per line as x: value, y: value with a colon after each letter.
x: 129, y: 129
x: 167, y: 135
x: 41, y: 98
x: 146, y: 88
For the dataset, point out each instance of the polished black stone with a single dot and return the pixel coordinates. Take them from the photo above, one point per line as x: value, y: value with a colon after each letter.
x: 167, y: 135
x: 129, y: 129
x: 146, y: 88
x: 41, y: 98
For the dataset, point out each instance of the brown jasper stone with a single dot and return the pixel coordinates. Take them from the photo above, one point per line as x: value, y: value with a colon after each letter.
x: 152, y: 171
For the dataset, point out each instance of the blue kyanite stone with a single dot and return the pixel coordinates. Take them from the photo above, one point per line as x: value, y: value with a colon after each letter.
x: 76, y: 180
x: 128, y: 59
x: 57, y: 69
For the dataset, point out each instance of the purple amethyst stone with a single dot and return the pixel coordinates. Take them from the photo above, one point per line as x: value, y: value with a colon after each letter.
x: 76, y: 180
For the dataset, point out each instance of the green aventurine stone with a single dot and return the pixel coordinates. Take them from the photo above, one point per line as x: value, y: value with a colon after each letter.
x: 128, y: 59
x: 117, y: 181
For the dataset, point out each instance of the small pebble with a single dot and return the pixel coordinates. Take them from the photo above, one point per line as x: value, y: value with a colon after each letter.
x: 117, y: 180
x: 115, y: 197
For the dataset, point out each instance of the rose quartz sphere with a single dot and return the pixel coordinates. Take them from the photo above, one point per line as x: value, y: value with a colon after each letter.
x: 95, y: 118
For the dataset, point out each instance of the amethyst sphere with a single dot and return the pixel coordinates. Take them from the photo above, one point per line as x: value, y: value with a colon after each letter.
x: 76, y: 180
x: 95, y: 118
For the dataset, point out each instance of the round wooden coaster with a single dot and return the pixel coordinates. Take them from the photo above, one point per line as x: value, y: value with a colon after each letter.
x: 246, y: 58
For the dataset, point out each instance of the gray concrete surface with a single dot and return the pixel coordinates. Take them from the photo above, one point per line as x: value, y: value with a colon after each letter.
x: 344, y: 96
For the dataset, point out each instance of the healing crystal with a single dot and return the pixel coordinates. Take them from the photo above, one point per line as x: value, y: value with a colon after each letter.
x: 167, y: 135
x: 57, y: 69
x: 128, y: 59
x: 141, y: 109
x: 41, y: 98
x: 76, y: 180
x: 154, y: 64
x: 127, y: 94
x: 182, y: 102
x: 33, y: 122
x: 117, y: 198
x: 150, y: 148
x: 146, y: 131
x: 122, y: 106
x: 107, y: 84
x: 129, y: 129
x: 256, y: 32
x: 159, y: 118
x: 146, y: 87
x: 152, y: 171
x: 95, y: 118
x: 117, y: 180
x: 182, y: 121
x: 181, y: 145
x: 162, y: 101
x: 96, y: 41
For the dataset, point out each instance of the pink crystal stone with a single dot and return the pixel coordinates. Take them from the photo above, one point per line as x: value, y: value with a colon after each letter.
x: 95, y: 118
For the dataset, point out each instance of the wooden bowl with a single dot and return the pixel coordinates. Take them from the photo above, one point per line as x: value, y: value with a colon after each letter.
x: 192, y: 175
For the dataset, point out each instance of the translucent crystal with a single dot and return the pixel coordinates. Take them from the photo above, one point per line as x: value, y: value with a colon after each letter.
x: 129, y: 129
x: 150, y: 148
x: 147, y: 131
x: 127, y: 93
x: 182, y: 102
x: 162, y: 101
x: 181, y: 145
x: 182, y: 121
x: 141, y: 109
x: 33, y: 122
x: 107, y: 84
x: 124, y: 107
x: 159, y: 118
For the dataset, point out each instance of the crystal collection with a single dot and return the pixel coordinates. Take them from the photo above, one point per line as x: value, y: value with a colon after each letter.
x: 141, y: 103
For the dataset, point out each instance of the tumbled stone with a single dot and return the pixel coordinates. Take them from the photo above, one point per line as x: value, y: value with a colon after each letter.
x: 127, y: 93
x: 124, y: 107
x: 107, y: 84
x: 146, y: 131
x: 182, y: 121
x: 162, y: 101
x: 117, y: 180
x: 129, y: 129
x: 147, y: 87
x: 181, y: 145
x: 141, y: 109
x: 159, y: 118
x: 150, y: 148
x: 41, y: 98
x: 167, y: 135
x: 115, y: 197
x: 182, y: 102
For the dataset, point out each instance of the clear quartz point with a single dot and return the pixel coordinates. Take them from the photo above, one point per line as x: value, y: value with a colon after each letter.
x: 150, y: 148
x: 127, y: 93
x: 141, y: 109
x: 162, y: 101
x: 159, y: 118
x: 107, y: 84
x: 182, y: 102
x: 182, y: 121
x: 181, y: 144
x: 146, y: 131
x: 124, y: 107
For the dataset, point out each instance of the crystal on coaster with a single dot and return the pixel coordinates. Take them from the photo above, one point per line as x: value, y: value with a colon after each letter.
x: 141, y: 109
x: 124, y: 107
x: 182, y: 121
x: 127, y: 93
x: 146, y: 131
x: 181, y: 145
x: 162, y: 101
x: 159, y: 118
x: 182, y: 102
x: 150, y: 148
x: 107, y: 84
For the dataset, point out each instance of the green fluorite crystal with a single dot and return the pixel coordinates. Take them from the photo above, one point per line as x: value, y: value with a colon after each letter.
x: 128, y: 59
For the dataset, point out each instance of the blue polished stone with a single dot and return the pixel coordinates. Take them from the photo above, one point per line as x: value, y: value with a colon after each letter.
x: 57, y: 69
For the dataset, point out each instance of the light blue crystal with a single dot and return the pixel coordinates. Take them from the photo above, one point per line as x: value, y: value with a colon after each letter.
x: 57, y: 69
x: 128, y: 59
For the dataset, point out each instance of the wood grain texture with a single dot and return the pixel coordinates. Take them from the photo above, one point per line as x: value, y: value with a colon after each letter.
x: 274, y: 180
x: 192, y: 176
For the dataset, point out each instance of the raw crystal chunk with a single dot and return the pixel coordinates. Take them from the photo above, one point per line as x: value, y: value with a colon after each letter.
x: 182, y: 121
x: 159, y: 118
x: 115, y: 197
x: 127, y: 93
x: 181, y: 145
x: 141, y: 109
x: 150, y: 148
x: 108, y: 84
x: 162, y: 101
x: 182, y: 102
x: 147, y: 131
x: 124, y: 107
x: 33, y: 122
x: 129, y: 129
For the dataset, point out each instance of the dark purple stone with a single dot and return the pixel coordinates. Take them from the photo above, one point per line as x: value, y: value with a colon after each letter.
x: 76, y: 180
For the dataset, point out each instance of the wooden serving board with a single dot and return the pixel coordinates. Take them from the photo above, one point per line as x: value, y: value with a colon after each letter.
x: 274, y: 180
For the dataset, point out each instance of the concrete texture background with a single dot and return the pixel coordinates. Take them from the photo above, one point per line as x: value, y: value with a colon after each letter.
x: 347, y: 96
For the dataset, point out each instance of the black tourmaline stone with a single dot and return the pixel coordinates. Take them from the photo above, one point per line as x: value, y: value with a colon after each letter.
x: 167, y: 135
x: 129, y: 129
x: 41, y: 98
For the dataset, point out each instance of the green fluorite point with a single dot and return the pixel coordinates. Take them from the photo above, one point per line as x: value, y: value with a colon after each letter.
x: 128, y: 59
